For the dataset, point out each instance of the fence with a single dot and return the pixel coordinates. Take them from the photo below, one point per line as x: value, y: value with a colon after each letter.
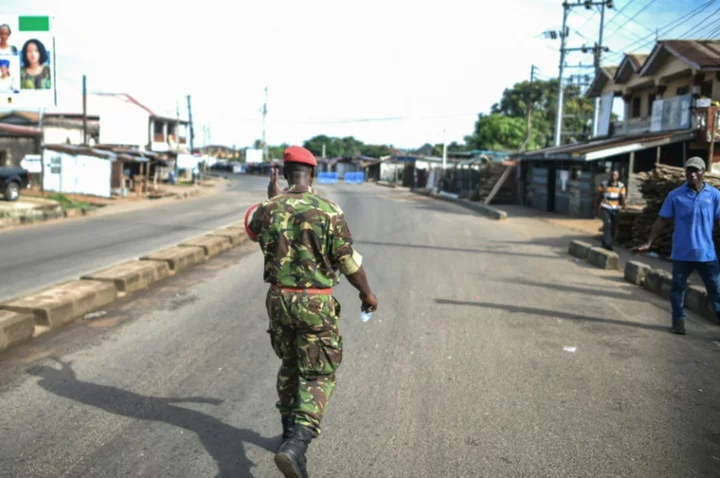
x: 354, y: 178
x: 327, y: 178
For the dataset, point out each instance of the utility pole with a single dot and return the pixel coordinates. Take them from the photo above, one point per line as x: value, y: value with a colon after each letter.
x: 597, y: 50
x: 192, y: 129
x: 598, y: 56
x: 559, y: 113
x: 84, y: 93
x: 444, y: 151
x: 529, y: 109
x: 264, y: 113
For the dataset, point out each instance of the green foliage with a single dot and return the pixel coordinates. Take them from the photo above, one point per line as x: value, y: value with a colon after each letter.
x: 66, y: 203
x: 497, y: 132
x: 341, y: 147
x: 505, y: 127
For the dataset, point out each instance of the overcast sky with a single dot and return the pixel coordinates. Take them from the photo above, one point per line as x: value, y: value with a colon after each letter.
x: 407, y: 70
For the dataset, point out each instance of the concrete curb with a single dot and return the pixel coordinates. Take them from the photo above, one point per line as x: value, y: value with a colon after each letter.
x: 178, y: 258
x: 15, y: 328
x: 26, y: 317
x: 386, y: 184
x: 211, y: 245
x: 132, y: 276
x: 58, y: 305
x: 483, y: 209
x: 642, y: 275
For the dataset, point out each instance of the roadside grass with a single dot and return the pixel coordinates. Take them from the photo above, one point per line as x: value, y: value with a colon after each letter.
x: 68, y: 204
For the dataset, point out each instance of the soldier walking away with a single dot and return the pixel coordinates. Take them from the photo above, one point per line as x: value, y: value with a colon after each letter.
x: 307, y: 245
x: 611, y: 197
x: 695, y: 207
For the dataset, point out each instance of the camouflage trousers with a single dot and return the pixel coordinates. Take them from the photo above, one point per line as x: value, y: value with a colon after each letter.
x: 304, y: 335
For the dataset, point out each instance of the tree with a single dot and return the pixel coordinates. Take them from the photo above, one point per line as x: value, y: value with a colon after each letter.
x: 497, y: 132
x: 513, y: 104
x: 344, y: 147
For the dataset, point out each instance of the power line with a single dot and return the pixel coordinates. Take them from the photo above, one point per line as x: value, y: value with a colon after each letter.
x: 663, y: 30
x: 618, y: 12
x: 632, y: 19
x: 695, y: 29
x: 666, y: 28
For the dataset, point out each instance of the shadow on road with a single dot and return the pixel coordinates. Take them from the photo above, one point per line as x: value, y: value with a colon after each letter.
x: 454, y: 249
x: 577, y: 290
x: 223, y: 442
x: 552, y: 313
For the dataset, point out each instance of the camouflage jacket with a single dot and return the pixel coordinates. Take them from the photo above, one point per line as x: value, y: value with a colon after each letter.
x: 305, y: 240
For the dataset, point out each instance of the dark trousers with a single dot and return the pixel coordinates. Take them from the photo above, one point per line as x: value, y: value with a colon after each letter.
x: 609, y: 218
x: 709, y: 272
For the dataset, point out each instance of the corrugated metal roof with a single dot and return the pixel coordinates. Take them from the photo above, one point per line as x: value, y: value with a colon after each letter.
x: 699, y: 54
x: 605, y: 74
x: 607, y: 147
x: 20, y: 130
x: 637, y: 60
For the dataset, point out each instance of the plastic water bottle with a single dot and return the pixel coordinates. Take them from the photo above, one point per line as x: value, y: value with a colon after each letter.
x: 365, y: 316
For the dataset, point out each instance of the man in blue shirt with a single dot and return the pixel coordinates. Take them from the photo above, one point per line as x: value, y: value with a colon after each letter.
x: 695, y: 207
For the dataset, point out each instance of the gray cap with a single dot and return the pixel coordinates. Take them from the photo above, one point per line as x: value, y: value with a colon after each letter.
x: 695, y: 162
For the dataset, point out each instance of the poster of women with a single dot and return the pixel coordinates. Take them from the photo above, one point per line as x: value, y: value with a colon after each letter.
x: 27, y: 69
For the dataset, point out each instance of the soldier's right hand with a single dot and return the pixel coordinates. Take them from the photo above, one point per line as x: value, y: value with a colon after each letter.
x: 369, y: 302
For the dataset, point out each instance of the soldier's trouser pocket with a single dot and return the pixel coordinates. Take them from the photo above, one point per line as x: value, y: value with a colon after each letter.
x: 320, y: 355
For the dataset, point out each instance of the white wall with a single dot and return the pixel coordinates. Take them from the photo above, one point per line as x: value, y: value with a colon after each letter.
x: 60, y: 135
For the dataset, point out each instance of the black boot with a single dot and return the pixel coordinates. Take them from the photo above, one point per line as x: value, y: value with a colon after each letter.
x: 290, y: 459
x: 287, y: 423
x: 678, y: 327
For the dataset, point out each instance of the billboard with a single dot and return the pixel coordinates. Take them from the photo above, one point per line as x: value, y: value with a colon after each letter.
x: 606, y: 105
x: 27, y: 61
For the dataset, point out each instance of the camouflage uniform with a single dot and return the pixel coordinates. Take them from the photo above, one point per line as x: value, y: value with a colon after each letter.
x: 307, y: 244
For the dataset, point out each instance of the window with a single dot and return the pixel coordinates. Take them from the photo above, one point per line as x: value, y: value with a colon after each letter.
x: 706, y: 89
x: 636, y: 105
x: 682, y: 90
x: 651, y: 100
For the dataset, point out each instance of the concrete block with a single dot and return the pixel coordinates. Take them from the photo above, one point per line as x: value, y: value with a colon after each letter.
x: 62, y: 303
x: 636, y: 272
x: 212, y: 245
x: 178, y: 258
x: 579, y: 249
x: 132, y: 276
x: 236, y: 235
x: 659, y: 282
x: 604, y: 259
x: 483, y: 209
x: 15, y: 328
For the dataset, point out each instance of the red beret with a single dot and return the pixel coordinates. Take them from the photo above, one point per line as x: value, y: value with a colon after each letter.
x: 296, y: 154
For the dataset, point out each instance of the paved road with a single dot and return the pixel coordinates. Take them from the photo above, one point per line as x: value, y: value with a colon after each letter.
x: 37, y: 256
x: 461, y: 373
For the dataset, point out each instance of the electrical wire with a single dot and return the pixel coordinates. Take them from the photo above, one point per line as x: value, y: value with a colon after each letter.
x: 632, y: 19
x: 665, y: 29
x: 695, y: 28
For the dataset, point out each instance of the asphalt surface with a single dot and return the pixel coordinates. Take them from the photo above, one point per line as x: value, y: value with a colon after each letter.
x: 462, y: 372
x: 35, y: 257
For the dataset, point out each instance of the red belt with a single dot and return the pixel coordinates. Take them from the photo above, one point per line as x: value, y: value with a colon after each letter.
x: 299, y: 290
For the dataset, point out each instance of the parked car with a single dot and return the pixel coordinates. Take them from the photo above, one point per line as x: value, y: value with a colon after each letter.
x: 12, y: 181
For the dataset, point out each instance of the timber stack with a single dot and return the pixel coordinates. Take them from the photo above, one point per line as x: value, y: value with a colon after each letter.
x: 655, y: 186
x: 490, y: 174
x: 625, y: 221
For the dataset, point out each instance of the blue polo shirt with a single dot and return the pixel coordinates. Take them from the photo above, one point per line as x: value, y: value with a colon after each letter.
x: 694, y: 214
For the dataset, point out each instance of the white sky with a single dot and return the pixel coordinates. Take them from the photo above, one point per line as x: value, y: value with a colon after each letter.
x: 436, y: 65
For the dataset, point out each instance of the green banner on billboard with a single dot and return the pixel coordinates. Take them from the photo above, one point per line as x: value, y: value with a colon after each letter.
x: 34, y: 24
